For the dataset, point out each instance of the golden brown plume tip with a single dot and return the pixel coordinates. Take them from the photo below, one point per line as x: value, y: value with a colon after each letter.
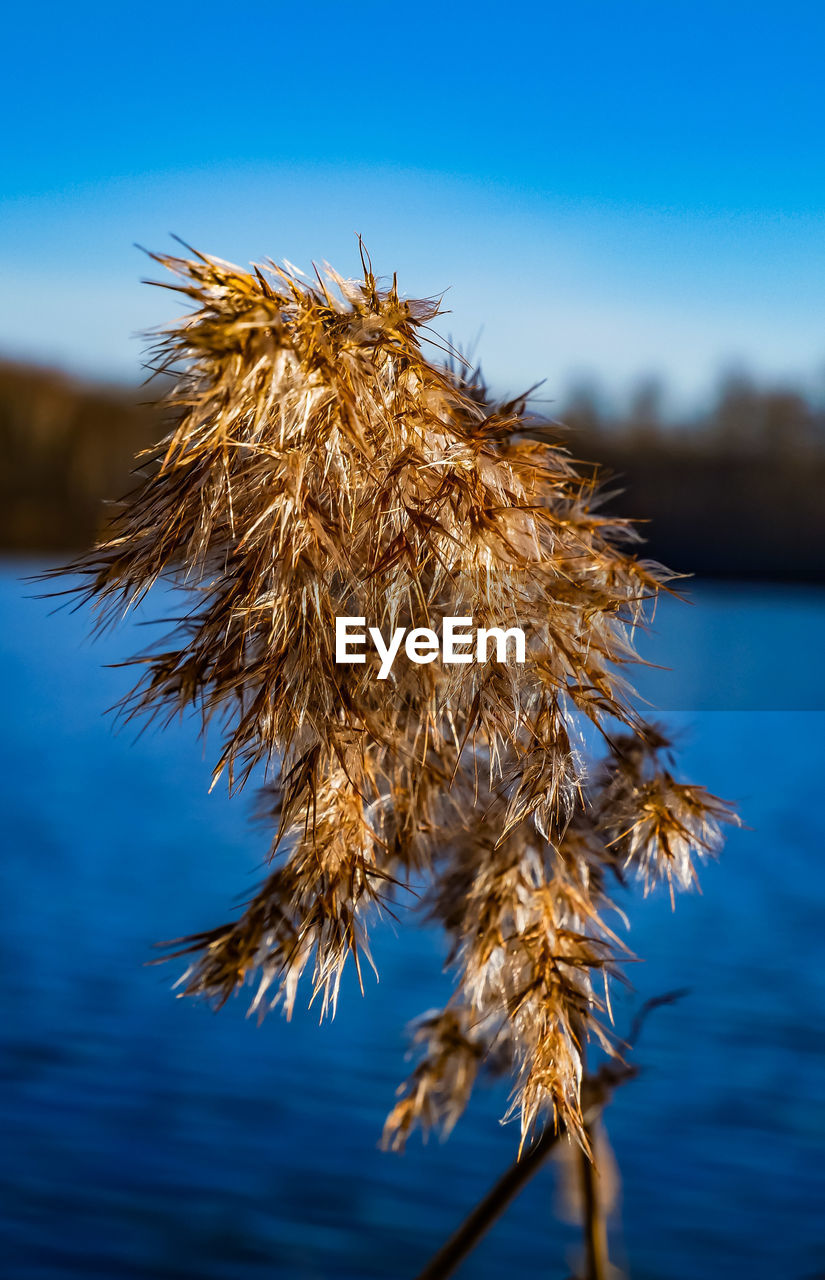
x: 325, y: 461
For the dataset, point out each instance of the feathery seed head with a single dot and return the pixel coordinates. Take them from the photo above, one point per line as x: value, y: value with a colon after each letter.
x: 320, y: 465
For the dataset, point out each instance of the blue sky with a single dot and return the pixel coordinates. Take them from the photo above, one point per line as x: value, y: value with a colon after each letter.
x: 601, y: 188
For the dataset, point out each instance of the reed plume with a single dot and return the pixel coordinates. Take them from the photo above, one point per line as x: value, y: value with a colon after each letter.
x: 324, y: 460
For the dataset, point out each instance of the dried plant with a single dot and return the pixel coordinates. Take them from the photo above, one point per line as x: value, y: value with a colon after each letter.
x: 325, y: 460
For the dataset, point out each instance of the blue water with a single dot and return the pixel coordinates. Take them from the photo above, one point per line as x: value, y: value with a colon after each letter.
x: 145, y: 1136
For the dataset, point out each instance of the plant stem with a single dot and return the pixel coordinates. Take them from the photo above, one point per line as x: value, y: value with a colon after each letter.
x: 489, y: 1209
x: 595, y: 1229
x: 596, y: 1091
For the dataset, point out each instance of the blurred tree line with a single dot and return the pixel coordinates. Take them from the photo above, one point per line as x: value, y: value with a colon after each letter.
x: 67, y: 447
x: 737, y: 491
x: 734, y: 492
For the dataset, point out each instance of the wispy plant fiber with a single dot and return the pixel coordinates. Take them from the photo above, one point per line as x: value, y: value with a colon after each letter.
x: 324, y: 462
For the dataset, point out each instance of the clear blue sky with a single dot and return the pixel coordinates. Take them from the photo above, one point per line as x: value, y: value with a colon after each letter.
x: 601, y: 186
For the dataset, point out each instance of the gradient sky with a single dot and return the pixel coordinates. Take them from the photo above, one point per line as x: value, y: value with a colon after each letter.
x: 615, y: 188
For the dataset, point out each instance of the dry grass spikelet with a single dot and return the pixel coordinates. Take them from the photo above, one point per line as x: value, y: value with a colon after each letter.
x: 320, y: 464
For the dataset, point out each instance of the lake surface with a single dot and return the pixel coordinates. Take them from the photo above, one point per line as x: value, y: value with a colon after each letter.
x: 144, y: 1136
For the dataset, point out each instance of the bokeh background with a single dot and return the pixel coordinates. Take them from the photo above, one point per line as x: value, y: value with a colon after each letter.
x: 627, y: 202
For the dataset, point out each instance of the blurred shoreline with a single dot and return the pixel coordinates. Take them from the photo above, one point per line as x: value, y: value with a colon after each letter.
x: 735, y: 493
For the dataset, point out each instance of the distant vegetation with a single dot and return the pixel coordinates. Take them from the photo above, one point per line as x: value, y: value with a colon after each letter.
x: 66, y: 447
x: 736, y: 493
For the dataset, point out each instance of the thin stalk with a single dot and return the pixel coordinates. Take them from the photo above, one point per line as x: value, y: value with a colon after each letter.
x: 595, y: 1227
x: 489, y: 1209
x: 596, y: 1092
